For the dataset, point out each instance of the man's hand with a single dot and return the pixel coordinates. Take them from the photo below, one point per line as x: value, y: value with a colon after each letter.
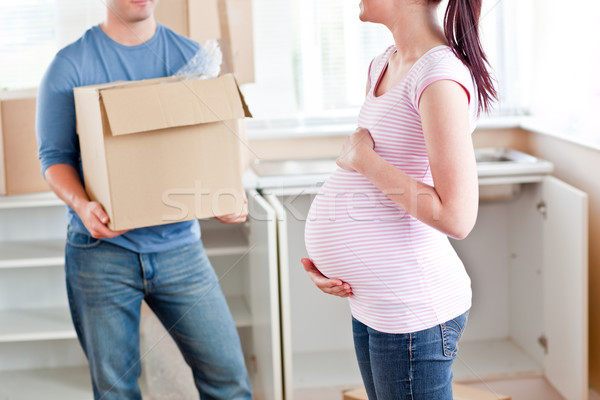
x: 335, y: 287
x: 64, y: 180
x: 354, y: 149
x: 236, y: 218
x: 95, y: 219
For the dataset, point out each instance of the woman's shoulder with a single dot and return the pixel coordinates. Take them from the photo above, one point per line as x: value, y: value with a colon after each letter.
x: 382, y: 58
x: 379, y: 62
x: 441, y: 60
x: 442, y: 63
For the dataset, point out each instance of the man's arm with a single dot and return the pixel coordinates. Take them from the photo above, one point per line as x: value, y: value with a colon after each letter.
x: 59, y: 147
x: 65, y: 182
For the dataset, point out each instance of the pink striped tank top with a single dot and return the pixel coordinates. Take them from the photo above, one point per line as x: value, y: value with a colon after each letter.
x: 405, y: 275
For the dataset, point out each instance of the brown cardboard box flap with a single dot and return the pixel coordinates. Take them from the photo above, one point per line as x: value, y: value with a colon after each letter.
x: 147, y: 107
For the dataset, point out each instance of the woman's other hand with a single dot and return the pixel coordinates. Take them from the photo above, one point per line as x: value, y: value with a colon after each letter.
x: 353, y: 152
x: 335, y: 287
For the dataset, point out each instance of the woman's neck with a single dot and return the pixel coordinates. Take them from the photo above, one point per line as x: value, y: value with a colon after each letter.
x: 415, y: 31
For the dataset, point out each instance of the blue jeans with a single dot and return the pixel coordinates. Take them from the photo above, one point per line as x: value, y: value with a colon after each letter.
x: 408, y: 366
x: 106, y: 285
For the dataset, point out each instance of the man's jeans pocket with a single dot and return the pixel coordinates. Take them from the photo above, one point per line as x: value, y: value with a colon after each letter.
x: 80, y: 240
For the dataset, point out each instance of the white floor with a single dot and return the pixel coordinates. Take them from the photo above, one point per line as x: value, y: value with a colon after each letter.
x: 519, y: 389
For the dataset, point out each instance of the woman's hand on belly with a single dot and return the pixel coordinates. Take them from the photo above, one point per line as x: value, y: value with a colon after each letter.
x: 327, y: 285
x: 354, y: 149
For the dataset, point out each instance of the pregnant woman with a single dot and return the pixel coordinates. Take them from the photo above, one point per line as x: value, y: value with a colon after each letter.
x: 378, y: 230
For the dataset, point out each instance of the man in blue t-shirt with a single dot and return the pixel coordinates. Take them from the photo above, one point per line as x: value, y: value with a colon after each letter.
x: 110, y: 273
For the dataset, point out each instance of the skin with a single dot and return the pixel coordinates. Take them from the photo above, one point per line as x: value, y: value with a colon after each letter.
x: 449, y: 206
x: 130, y: 23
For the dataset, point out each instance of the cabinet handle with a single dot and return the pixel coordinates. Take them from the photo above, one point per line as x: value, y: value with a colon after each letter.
x: 542, y: 208
x: 543, y: 341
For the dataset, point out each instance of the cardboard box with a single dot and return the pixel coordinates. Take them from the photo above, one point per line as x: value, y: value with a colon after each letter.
x: 162, y: 150
x: 229, y: 21
x: 356, y: 394
x: 19, y: 164
x: 461, y: 392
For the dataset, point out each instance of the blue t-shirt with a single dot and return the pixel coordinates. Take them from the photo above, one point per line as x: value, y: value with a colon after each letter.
x: 96, y: 58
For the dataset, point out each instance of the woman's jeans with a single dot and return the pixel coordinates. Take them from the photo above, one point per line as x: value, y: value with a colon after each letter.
x: 106, y: 285
x: 408, y: 366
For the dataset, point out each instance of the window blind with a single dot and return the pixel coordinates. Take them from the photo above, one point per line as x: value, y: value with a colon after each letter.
x: 32, y: 31
x: 328, y: 50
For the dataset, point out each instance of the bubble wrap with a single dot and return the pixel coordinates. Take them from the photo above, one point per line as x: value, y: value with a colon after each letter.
x: 207, y: 61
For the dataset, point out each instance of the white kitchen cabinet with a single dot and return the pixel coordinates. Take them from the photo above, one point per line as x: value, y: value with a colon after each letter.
x: 40, y: 356
x: 249, y: 277
x: 527, y: 258
x: 316, y: 329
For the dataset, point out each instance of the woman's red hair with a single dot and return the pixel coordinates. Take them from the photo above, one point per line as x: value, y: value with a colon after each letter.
x: 461, y: 27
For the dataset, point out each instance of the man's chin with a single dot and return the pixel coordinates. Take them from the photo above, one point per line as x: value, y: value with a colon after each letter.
x: 140, y: 16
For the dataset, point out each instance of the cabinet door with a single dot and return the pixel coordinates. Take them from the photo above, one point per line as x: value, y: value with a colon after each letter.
x: 264, y: 299
x: 284, y: 285
x: 565, y: 257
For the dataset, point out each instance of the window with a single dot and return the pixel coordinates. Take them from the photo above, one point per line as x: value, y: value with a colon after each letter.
x: 333, y: 51
x: 323, y: 53
x: 32, y: 31
x: 565, y: 49
x: 312, y: 56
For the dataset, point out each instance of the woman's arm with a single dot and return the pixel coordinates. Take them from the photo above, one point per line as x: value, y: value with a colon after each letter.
x: 450, y: 205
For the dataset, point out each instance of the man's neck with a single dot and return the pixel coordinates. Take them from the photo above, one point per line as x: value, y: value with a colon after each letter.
x: 129, y: 33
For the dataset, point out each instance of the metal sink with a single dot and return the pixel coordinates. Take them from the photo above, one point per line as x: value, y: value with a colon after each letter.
x: 498, y: 161
x: 311, y: 166
x: 491, y: 163
x: 501, y: 172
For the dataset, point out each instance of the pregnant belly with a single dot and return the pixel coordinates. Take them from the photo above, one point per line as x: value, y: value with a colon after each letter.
x: 349, y: 234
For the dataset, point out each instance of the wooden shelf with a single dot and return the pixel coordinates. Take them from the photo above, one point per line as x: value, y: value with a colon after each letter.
x: 493, y: 359
x: 55, y: 323
x: 45, y: 253
x: 72, y: 383
x: 34, y: 253
x: 36, y: 324
x: 325, y: 369
x: 44, y: 199
x: 223, y: 241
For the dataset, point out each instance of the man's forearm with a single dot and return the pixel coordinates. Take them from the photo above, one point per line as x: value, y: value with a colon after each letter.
x: 64, y: 180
